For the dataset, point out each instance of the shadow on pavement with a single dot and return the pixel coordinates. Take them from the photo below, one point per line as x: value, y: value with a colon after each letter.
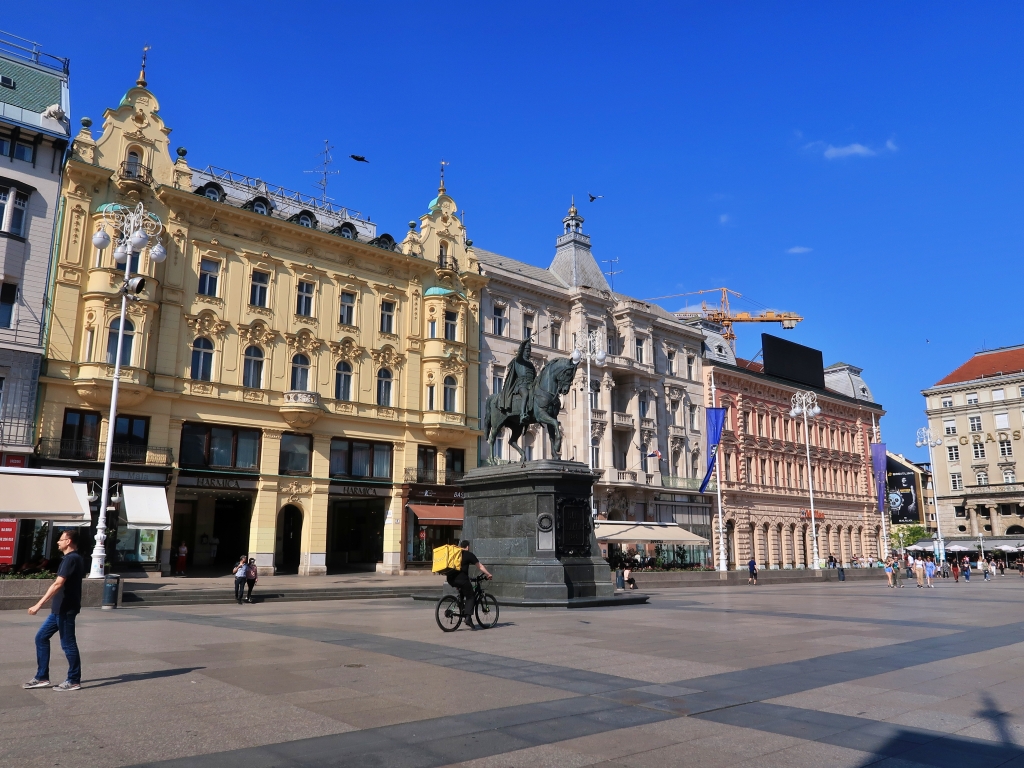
x: 132, y: 677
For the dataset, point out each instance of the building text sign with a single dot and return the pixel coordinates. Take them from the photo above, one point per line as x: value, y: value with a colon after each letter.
x: 8, y: 531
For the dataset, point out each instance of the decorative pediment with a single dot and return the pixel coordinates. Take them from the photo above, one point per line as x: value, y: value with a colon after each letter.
x: 347, y: 350
x: 257, y: 333
x: 304, y: 342
x: 206, y: 323
x: 387, y: 357
x: 453, y: 363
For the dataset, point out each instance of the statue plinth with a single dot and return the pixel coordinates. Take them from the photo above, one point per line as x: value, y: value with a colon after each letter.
x: 531, y: 525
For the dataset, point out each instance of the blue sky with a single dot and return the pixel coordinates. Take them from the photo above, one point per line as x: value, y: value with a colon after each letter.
x: 857, y: 163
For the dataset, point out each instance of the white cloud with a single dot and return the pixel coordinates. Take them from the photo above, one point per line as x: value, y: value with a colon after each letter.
x: 724, y: 218
x: 891, y: 146
x: 850, y: 150
x: 799, y: 249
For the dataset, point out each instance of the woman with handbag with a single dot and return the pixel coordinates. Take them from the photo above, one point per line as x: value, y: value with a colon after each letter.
x: 250, y: 577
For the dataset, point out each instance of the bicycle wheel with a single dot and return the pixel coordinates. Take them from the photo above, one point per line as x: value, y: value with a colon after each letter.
x: 448, y: 615
x: 486, y: 611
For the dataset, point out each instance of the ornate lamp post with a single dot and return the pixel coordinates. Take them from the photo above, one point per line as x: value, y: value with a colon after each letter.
x: 925, y: 438
x: 588, y: 345
x: 806, y: 404
x: 133, y: 230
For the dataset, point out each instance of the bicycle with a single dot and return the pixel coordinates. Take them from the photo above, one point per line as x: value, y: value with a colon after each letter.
x: 450, y: 609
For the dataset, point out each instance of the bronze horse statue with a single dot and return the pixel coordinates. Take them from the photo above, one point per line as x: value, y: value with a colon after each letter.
x: 554, y: 380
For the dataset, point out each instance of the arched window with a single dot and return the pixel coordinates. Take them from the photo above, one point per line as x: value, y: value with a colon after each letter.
x: 384, y: 387
x: 595, y: 452
x: 213, y: 194
x: 259, y: 207
x: 449, y: 393
x: 126, y: 345
x: 305, y: 221
x: 300, y: 373
x: 982, y: 478
x: 444, y: 249
x: 133, y: 165
x: 252, y: 370
x: 1009, y: 476
x: 343, y: 382
x: 202, y: 359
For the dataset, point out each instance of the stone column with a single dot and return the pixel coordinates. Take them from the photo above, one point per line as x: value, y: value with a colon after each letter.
x: 972, y: 517
x: 313, y: 554
x: 263, y: 526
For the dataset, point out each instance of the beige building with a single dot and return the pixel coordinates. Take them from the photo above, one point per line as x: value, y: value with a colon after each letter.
x: 977, y: 411
x: 290, y: 373
x: 646, y: 399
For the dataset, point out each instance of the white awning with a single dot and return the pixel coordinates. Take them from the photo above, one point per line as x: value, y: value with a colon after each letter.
x: 82, y: 492
x: 43, y: 497
x: 670, y: 533
x: 146, y: 507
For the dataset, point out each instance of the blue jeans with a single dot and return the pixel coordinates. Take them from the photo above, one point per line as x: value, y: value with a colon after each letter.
x: 64, y: 623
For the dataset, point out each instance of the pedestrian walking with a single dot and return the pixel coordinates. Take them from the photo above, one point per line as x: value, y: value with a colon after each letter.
x: 250, y: 577
x: 956, y: 572
x: 967, y: 569
x: 752, y: 569
x: 182, y: 559
x: 919, y: 572
x: 909, y: 560
x: 241, y: 571
x: 1020, y: 568
x: 897, y: 576
x: 929, y: 573
x: 66, y: 592
x: 992, y: 567
x: 888, y: 574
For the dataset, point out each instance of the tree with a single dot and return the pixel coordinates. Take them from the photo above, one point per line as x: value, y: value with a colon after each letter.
x: 905, y: 535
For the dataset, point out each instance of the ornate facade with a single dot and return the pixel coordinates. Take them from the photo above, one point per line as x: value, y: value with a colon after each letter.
x: 281, y: 378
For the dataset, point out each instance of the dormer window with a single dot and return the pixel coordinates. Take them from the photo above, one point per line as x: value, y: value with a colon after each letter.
x: 305, y: 221
x: 259, y: 207
x: 347, y: 233
x: 213, y: 194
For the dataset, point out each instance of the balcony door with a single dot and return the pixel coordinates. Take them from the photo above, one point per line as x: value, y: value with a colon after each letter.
x: 79, y: 438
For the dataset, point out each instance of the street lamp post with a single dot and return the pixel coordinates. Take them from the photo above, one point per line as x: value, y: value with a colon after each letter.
x: 133, y: 229
x: 925, y: 438
x: 588, y: 345
x: 806, y: 404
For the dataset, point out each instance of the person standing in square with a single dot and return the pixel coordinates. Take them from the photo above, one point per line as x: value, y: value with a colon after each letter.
x: 66, y: 592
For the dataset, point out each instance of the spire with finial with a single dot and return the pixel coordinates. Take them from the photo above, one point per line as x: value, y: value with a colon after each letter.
x: 573, y: 222
x: 440, y: 189
x: 141, y: 82
x: 572, y: 206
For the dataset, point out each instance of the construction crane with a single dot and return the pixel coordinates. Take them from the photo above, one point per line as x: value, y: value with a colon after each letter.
x: 723, y: 315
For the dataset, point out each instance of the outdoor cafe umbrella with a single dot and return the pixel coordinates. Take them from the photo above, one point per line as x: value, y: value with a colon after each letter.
x: 957, y: 548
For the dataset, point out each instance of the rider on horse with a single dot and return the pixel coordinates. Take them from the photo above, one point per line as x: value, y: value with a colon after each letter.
x: 519, y: 377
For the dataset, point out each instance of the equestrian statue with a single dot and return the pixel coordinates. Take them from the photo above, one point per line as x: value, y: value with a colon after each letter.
x: 527, y: 398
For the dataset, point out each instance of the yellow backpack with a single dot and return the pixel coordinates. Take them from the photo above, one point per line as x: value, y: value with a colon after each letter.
x: 447, y: 559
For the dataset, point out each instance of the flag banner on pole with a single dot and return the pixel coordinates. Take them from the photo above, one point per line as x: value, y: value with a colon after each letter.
x: 655, y: 454
x: 878, y: 464
x: 715, y: 421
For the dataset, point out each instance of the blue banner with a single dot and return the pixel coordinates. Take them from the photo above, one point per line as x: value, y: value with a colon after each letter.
x: 878, y: 465
x: 715, y: 421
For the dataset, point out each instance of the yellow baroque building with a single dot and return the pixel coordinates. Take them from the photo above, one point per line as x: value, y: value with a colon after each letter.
x: 302, y: 388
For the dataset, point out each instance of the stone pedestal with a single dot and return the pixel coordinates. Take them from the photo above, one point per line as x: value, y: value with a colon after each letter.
x: 531, y: 525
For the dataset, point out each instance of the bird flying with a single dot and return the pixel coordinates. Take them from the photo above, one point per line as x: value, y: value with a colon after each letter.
x: 593, y: 197
x: 359, y: 158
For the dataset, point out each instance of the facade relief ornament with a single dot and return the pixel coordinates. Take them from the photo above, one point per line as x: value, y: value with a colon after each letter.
x: 295, y: 489
x: 257, y: 333
x: 387, y: 357
x: 206, y: 323
x: 304, y: 342
x: 346, y: 350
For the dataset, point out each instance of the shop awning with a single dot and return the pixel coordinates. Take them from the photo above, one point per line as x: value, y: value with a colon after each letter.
x: 43, y: 496
x: 670, y: 533
x: 146, y: 507
x: 430, y: 514
x: 82, y: 492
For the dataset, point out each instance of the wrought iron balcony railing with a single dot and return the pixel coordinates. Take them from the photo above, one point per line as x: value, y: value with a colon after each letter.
x: 135, y: 172
x: 433, y: 476
x: 447, y: 262
x: 92, y: 450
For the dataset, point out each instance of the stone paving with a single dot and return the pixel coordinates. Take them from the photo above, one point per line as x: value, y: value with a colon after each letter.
x: 836, y: 674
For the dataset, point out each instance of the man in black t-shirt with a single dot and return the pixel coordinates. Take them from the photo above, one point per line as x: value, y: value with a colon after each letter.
x: 66, y: 592
x: 462, y: 583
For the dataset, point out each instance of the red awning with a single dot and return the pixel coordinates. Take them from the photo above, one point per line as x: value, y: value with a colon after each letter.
x: 430, y: 514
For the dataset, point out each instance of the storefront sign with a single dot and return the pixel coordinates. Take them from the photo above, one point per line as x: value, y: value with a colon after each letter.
x: 15, y: 460
x: 359, y: 490
x: 806, y: 514
x: 134, y: 477
x: 219, y: 483
x: 436, y: 494
x: 8, y: 531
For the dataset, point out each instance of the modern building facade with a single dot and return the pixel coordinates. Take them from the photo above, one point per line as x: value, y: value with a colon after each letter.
x: 291, y: 377
x: 34, y: 132
x: 645, y: 403
x: 978, y: 413
x: 765, y: 485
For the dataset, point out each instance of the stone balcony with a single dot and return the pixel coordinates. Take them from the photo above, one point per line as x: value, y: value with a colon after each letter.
x: 622, y: 420
x: 300, y: 408
x: 626, y: 476
x: 601, y: 416
x: 675, y: 430
x: 646, y: 423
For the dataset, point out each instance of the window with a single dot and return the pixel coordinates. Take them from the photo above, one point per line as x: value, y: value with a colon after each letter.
x: 384, y: 387
x: 23, y: 152
x: 774, y: 422
x: 4, y: 195
x: 776, y: 479
x: 304, y: 299
x: 972, y: 398
x: 1009, y: 476
x: 975, y: 423
x: 643, y: 404
x: 387, y: 317
x: 348, y: 309
x: 527, y: 326
x: 252, y: 368
x: 450, y: 387
x: 208, y: 272
x: 1005, y: 448
x: 953, y: 453
x: 5, y: 145
x: 131, y: 435
x: 430, y: 397
x: 670, y: 363
x: 979, y: 450
x: 640, y: 351
x: 982, y: 477
x: 202, y: 359
x: 306, y: 221
x: 760, y: 425
x: 673, y: 412
x: 749, y: 474
x: 690, y: 363
x: 498, y: 321
x: 300, y: 373
x: 998, y: 394
x: 211, y: 192
x: 432, y: 329
x: 497, y: 383
x: 595, y: 453
x: 595, y: 395
x: 947, y: 402
x: 727, y: 466
x: 451, y: 325
x: 8, y: 298
x: 80, y: 435
x: 556, y: 335
x: 360, y: 459
x: 343, y: 381
x: 695, y: 418
x: 1002, y: 421
x: 126, y: 343
x: 764, y: 472
x: 949, y: 426
x: 16, y: 224
x: 746, y: 422
x: 206, y: 445
x: 296, y: 452
x: 455, y: 463
x: 259, y: 207
x: 956, y: 481
x: 258, y: 289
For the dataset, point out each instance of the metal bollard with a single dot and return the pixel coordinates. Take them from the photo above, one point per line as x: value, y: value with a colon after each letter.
x: 111, y: 584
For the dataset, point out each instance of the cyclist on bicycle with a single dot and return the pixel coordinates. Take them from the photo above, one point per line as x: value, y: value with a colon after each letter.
x: 462, y: 583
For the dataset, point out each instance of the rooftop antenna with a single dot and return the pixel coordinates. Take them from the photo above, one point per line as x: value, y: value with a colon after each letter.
x: 612, y: 272
x: 323, y: 171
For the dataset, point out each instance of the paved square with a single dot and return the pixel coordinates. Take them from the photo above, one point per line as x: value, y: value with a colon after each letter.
x: 837, y: 674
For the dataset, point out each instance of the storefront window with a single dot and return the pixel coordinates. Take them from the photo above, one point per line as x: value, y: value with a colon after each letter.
x: 218, y: 446
x: 135, y: 546
x: 296, y: 452
x: 360, y: 459
x: 221, y: 442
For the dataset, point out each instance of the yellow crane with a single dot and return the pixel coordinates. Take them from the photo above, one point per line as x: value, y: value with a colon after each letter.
x: 724, y: 316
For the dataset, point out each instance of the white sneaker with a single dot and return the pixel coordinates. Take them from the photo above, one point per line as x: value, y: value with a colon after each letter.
x: 35, y: 682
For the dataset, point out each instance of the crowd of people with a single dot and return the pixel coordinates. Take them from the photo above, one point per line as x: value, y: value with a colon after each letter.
x: 924, y: 570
